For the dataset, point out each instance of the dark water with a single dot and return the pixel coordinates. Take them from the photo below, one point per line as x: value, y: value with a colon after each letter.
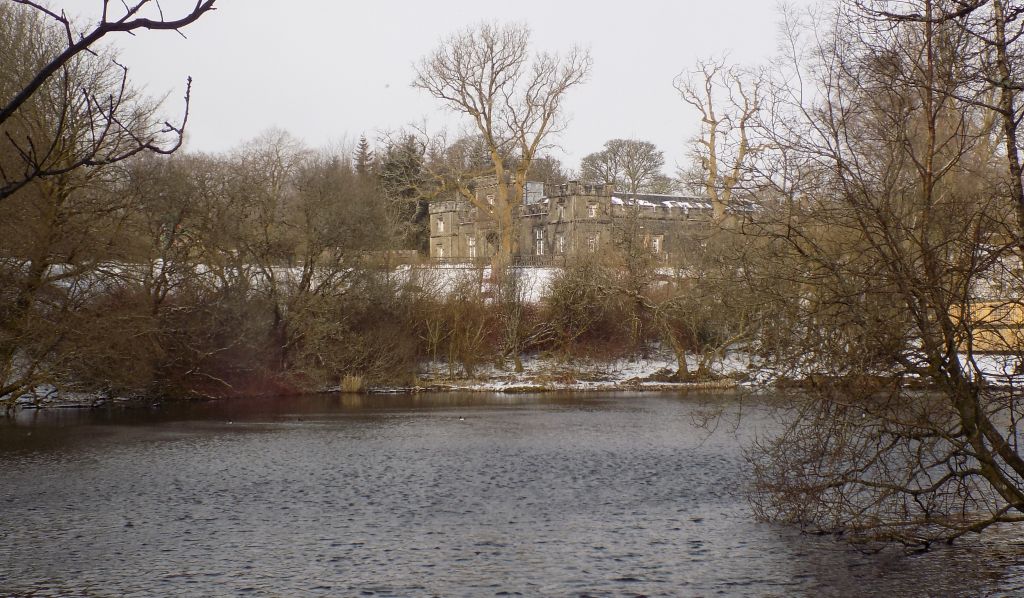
x: 614, y: 495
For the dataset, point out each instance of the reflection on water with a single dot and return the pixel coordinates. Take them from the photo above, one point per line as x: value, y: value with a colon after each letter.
x: 426, y: 495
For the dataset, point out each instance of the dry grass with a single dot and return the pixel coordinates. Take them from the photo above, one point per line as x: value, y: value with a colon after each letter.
x: 352, y: 384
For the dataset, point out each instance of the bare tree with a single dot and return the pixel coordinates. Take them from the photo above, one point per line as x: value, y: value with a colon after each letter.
x: 548, y: 170
x: 728, y: 100
x: 633, y: 166
x: 893, y: 269
x: 995, y: 60
x: 61, y: 230
x: 109, y: 110
x: 697, y: 303
x: 513, y: 101
x: 176, y: 315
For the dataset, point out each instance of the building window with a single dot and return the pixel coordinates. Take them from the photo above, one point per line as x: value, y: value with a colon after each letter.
x: 490, y: 199
x: 471, y: 246
x: 440, y: 251
x: 592, y: 210
x: 560, y: 243
x: 657, y: 244
x: 561, y: 212
x: 592, y: 243
x: 538, y: 241
x: 440, y: 224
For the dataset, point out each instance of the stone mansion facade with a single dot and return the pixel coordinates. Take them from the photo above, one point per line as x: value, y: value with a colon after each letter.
x: 560, y: 221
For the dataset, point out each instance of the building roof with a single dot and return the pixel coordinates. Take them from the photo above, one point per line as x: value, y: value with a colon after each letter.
x: 685, y: 202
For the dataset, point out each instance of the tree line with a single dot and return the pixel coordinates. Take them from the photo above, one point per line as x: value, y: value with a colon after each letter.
x: 272, y: 268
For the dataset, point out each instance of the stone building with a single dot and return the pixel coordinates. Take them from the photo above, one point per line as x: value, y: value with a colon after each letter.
x: 560, y: 221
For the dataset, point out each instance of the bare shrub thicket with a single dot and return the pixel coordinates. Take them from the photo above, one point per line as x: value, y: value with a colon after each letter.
x: 523, y: 329
x: 584, y: 318
x: 362, y: 332
x: 457, y: 321
x: 175, y: 314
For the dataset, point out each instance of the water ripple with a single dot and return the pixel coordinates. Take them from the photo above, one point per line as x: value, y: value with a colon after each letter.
x: 611, y: 496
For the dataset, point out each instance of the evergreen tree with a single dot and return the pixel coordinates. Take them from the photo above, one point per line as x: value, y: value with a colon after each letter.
x: 400, y: 173
x: 364, y: 157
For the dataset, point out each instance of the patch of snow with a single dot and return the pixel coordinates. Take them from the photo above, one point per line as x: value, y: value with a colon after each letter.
x: 548, y: 373
x: 998, y: 367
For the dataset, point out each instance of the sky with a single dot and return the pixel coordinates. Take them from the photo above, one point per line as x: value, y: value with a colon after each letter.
x: 328, y: 71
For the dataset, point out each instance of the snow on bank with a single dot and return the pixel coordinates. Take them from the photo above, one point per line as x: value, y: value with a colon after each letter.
x: 542, y: 374
x: 545, y: 374
x: 736, y: 369
x: 47, y: 396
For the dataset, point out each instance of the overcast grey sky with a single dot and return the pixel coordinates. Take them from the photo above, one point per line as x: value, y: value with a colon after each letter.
x: 328, y: 70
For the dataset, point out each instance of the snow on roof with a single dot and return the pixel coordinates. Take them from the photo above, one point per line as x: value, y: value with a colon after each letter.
x: 650, y: 200
x: 683, y: 202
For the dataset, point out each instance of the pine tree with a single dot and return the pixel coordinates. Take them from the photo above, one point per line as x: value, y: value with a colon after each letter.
x: 400, y: 174
x: 363, y: 157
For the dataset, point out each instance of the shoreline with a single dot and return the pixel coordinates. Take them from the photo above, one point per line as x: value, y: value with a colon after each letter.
x: 96, y: 402
x: 525, y: 388
x: 539, y: 375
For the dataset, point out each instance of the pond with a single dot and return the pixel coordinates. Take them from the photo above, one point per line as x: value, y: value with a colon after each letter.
x: 433, y: 495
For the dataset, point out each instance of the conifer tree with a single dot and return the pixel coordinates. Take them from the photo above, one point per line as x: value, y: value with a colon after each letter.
x: 400, y: 173
x: 364, y: 157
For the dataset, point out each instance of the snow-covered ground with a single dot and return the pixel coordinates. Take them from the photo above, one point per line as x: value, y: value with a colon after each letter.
x: 546, y: 373
x: 653, y: 373
x: 999, y: 369
x: 439, y: 279
x: 49, y: 396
